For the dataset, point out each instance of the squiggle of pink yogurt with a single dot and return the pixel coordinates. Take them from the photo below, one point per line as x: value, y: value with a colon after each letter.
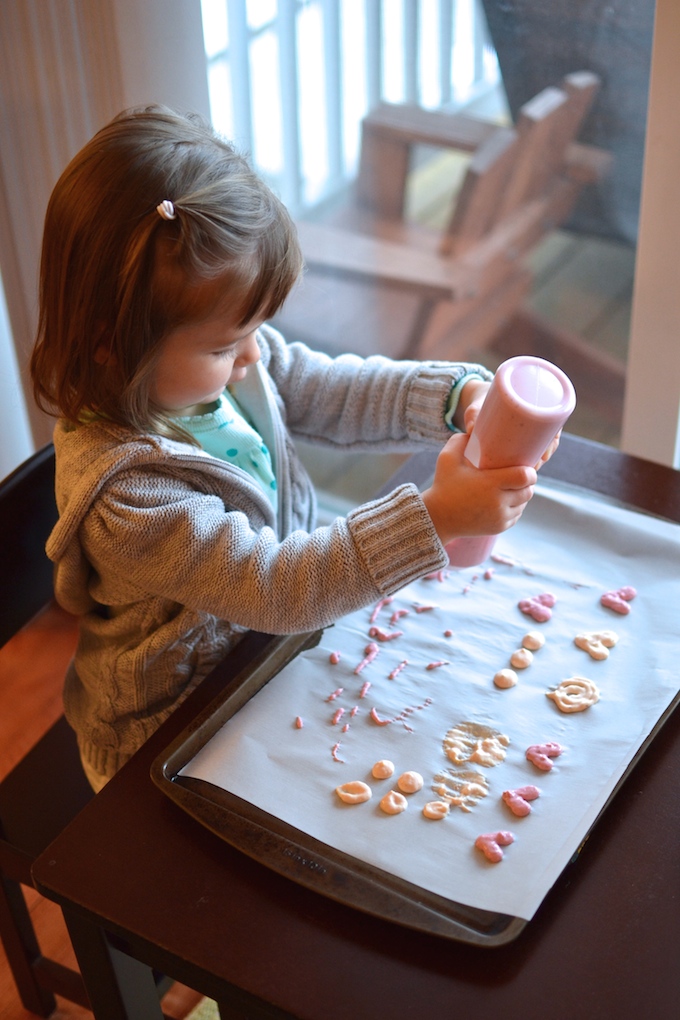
x: 402, y: 717
x: 379, y: 605
x: 377, y: 720
x: 383, y: 635
x: 397, y: 615
x: 370, y: 652
x: 436, y: 575
x: 397, y: 669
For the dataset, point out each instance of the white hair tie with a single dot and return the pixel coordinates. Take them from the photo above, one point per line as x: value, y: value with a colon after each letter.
x: 166, y: 210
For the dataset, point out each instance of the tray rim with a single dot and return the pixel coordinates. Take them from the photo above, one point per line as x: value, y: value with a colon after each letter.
x: 295, y: 854
x: 301, y: 857
x: 428, y: 912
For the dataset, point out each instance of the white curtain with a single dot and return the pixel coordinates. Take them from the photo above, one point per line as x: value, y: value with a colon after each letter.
x: 68, y: 66
x: 17, y: 442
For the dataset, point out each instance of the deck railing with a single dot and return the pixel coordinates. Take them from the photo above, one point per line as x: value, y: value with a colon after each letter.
x: 290, y: 80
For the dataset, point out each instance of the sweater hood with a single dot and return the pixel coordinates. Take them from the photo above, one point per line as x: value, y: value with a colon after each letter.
x: 86, y: 466
x: 88, y: 457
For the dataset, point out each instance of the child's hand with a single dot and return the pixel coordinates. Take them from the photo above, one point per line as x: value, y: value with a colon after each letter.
x: 472, y: 397
x: 549, y: 452
x: 464, y: 500
x: 470, y: 401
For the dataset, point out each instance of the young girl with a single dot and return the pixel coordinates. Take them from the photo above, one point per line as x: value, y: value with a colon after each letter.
x: 186, y: 517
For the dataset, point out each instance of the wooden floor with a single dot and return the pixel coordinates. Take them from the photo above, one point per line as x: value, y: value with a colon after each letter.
x: 30, y: 703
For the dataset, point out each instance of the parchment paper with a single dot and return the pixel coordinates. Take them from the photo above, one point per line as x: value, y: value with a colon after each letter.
x: 567, y: 543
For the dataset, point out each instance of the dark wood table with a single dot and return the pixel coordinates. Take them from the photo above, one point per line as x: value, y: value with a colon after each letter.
x: 143, y: 886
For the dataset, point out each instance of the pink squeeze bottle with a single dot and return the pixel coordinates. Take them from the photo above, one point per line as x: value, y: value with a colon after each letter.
x: 527, y: 404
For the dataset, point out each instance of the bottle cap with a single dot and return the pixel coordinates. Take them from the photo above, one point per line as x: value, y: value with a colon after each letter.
x: 540, y: 388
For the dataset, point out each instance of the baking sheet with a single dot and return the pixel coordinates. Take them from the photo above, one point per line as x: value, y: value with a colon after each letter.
x: 568, y: 543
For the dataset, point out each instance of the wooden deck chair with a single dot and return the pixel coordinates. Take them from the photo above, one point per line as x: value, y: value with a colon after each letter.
x: 450, y: 291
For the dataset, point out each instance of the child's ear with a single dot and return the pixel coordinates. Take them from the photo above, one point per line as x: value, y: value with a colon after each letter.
x: 104, y: 356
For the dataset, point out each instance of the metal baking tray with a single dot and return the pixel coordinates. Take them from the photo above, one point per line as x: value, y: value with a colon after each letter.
x: 299, y: 856
x: 295, y: 854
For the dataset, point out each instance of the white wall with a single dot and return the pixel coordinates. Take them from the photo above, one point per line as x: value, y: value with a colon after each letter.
x: 651, y: 421
x: 162, y: 56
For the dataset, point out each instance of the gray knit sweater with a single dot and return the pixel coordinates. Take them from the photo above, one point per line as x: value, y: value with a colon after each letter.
x: 169, y: 555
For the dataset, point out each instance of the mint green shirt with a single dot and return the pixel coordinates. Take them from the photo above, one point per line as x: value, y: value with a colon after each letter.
x: 227, y: 434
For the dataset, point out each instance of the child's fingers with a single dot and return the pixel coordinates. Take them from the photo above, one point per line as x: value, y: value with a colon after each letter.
x: 514, y: 477
x: 455, y: 444
x: 520, y: 497
x: 452, y: 454
x: 464, y: 500
x: 472, y: 413
x: 471, y: 399
x: 550, y: 450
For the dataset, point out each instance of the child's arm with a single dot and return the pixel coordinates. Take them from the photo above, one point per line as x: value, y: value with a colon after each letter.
x: 196, y: 537
x: 172, y: 542
x: 372, y: 404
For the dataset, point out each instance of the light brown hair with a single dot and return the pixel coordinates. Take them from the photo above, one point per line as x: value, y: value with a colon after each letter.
x: 116, y: 278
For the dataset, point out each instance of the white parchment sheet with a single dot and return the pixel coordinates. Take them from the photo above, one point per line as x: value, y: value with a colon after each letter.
x: 567, y: 543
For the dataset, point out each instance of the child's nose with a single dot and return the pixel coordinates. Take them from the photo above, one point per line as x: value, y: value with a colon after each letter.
x: 250, y: 353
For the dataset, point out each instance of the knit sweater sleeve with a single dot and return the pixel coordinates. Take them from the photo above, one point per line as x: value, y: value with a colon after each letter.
x: 168, y: 541
x: 369, y: 403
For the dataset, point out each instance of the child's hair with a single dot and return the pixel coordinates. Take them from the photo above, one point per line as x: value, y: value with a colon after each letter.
x: 116, y: 276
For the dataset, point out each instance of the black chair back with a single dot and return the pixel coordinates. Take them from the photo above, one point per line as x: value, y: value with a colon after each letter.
x: 47, y: 787
x: 28, y: 512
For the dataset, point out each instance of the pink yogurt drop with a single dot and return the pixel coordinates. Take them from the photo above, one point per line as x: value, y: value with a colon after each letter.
x: 618, y: 600
x: 539, y: 607
x: 491, y: 844
x: 541, y: 755
x: 518, y: 800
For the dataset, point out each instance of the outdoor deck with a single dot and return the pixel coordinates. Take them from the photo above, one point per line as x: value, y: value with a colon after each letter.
x: 583, y: 286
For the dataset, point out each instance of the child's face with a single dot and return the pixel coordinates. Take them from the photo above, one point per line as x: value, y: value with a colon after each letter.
x: 199, y: 360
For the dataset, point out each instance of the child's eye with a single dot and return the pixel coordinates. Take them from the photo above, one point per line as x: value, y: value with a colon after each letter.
x: 226, y: 352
